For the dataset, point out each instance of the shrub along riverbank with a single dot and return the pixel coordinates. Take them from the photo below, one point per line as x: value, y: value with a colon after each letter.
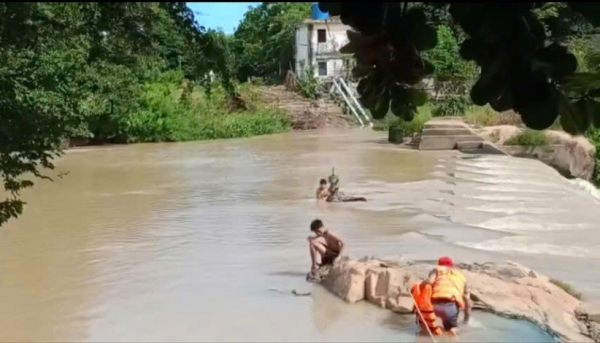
x: 170, y: 109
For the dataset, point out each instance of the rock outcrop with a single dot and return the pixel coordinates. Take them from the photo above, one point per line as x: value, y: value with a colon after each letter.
x: 575, y: 155
x: 572, y: 156
x: 508, y: 290
x: 498, y: 134
x: 590, y: 315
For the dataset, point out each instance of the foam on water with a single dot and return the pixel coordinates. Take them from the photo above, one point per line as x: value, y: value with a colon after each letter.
x: 497, y: 197
x: 528, y: 246
x: 522, y: 197
x: 587, y: 187
x: 522, y: 224
x: 512, y: 210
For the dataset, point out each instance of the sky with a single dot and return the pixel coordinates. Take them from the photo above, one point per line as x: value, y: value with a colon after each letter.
x: 220, y: 15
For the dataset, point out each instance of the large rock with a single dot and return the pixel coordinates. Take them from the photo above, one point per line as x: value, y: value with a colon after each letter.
x: 349, y: 283
x: 509, y: 290
x: 498, y: 134
x: 572, y: 156
x: 595, y: 331
x: 589, y: 311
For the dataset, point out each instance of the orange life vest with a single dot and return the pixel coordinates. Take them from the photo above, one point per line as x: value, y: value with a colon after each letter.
x: 421, y: 292
x: 449, y: 285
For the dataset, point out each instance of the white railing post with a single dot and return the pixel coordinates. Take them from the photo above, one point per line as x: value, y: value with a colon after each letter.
x: 337, y: 86
x: 343, y: 83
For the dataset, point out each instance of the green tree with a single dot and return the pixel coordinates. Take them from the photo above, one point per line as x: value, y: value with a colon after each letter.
x: 80, y: 69
x: 453, y: 75
x: 264, y: 41
x: 520, y: 70
x: 445, y: 57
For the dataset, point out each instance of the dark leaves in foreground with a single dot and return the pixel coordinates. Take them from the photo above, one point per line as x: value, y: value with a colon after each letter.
x: 520, y: 68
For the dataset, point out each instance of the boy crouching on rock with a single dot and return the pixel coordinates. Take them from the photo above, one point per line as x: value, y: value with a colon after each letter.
x: 326, y: 244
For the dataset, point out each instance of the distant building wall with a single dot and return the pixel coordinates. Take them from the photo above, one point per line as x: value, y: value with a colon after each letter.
x: 301, y: 48
x: 317, y: 45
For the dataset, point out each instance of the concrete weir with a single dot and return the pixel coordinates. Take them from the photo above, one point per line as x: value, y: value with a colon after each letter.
x: 454, y: 133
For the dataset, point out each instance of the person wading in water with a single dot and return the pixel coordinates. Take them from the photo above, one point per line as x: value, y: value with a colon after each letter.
x: 323, y: 190
x: 449, y: 294
x: 334, y: 191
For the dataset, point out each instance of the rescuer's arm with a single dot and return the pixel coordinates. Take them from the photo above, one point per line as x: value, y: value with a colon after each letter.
x: 467, y: 300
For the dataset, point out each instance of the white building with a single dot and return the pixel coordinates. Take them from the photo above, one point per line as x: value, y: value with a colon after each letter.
x: 317, y: 45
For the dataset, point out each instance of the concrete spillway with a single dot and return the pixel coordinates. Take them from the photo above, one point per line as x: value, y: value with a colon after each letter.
x: 454, y: 133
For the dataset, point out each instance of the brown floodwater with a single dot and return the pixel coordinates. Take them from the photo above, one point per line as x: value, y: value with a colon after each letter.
x: 205, y: 241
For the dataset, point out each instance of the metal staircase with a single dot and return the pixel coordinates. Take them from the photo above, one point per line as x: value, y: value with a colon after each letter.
x: 348, y: 95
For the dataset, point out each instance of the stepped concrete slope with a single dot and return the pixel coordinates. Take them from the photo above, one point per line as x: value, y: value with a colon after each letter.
x: 304, y: 113
x: 453, y: 133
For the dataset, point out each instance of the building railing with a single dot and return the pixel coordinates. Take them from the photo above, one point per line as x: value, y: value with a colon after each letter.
x: 328, y: 49
x: 340, y: 88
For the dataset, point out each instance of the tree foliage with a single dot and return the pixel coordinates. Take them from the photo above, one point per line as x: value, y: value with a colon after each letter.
x: 263, y: 43
x: 523, y: 64
x: 80, y: 70
x: 453, y: 75
x: 445, y: 57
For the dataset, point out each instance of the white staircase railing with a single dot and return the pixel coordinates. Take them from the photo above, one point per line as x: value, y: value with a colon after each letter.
x: 340, y: 87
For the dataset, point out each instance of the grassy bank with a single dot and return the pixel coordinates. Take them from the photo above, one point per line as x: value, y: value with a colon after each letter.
x: 416, y: 125
x: 202, y: 116
x: 474, y: 115
x: 593, y: 135
x: 171, y: 111
x: 529, y: 138
x: 567, y: 288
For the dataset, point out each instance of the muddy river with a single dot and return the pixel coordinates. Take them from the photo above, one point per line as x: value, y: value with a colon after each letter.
x: 204, y: 241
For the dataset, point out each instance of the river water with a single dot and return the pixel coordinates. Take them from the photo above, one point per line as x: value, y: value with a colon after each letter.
x: 204, y: 241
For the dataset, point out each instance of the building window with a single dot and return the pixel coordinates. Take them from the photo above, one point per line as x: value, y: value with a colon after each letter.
x: 322, y: 68
x: 321, y: 36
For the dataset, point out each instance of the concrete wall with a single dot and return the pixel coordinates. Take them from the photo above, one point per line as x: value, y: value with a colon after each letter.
x: 320, y: 55
x: 309, y: 52
x: 301, y: 49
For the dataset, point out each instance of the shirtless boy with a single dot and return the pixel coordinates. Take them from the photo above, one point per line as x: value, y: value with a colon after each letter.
x: 323, y: 190
x: 326, y: 244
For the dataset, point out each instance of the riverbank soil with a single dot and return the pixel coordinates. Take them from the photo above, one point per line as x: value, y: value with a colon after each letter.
x: 306, y: 114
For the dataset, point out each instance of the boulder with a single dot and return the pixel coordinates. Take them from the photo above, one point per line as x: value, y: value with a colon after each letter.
x: 589, y: 312
x: 400, y: 305
x: 595, y: 331
x: 572, y: 156
x: 347, y: 281
x: 498, y: 134
x: 507, y: 289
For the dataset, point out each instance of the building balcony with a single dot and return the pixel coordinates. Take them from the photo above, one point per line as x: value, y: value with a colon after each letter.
x: 327, y: 50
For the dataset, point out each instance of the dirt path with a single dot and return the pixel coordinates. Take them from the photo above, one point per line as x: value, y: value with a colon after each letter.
x: 306, y: 114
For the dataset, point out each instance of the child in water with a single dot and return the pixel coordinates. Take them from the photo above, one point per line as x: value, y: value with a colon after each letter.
x: 323, y: 190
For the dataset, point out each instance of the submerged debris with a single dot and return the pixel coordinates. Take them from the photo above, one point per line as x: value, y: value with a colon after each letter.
x: 293, y: 292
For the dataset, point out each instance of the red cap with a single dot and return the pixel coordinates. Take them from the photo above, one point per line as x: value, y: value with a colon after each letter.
x: 445, y: 261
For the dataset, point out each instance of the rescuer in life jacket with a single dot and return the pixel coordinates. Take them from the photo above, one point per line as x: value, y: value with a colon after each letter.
x: 423, y: 309
x: 449, y: 294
